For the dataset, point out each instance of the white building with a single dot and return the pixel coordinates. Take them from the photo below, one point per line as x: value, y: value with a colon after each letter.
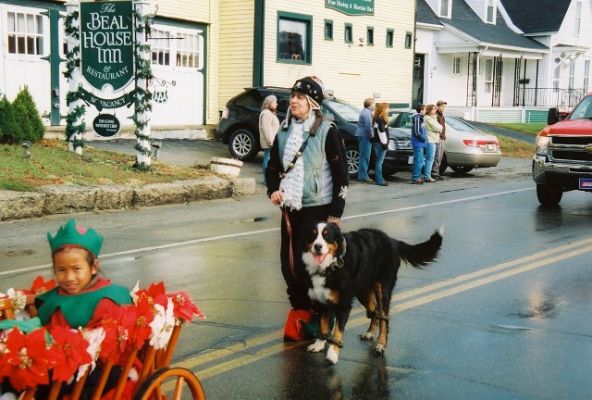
x: 502, y: 60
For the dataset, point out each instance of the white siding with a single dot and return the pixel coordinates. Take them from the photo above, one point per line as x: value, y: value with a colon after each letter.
x: 352, y: 71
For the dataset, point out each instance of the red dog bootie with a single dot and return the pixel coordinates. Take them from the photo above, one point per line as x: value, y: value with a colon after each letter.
x: 294, y: 328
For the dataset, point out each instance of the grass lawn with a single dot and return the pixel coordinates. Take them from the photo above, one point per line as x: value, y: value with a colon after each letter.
x: 52, y: 163
x: 532, y: 128
x: 515, y: 148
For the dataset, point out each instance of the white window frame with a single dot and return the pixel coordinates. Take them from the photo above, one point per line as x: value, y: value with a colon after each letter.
x: 586, y: 75
x: 578, y: 18
x: 488, y: 71
x: 188, y: 50
x: 160, y: 46
x: 34, y: 32
x: 490, y: 5
x: 572, y: 75
x: 456, y: 65
x: 447, y: 13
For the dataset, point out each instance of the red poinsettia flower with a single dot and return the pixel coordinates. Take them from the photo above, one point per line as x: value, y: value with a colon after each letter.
x: 140, y: 316
x: 185, y: 308
x: 26, y: 360
x: 40, y: 285
x: 117, y: 337
x: 68, y: 352
x: 155, y: 294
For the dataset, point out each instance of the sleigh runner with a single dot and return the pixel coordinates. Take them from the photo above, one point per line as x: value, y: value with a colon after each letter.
x: 139, y: 342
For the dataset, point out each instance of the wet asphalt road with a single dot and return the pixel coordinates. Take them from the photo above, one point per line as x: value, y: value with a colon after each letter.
x: 503, y: 314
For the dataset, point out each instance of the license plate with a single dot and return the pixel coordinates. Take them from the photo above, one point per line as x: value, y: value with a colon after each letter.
x: 410, y: 160
x: 585, y: 183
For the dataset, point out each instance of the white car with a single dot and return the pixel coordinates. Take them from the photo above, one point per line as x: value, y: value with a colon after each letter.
x: 465, y: 148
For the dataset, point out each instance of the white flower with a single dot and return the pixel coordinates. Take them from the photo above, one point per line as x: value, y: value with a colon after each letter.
x: 134, y: 292
x: 343, y: 192
x: 19, y: 302
x: 162, y: 325
x: 95, y: 339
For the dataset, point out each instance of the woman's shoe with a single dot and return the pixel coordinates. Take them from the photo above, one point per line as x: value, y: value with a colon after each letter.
x: 430, y: 180
x: 418, y: 182
x: 382, y: 183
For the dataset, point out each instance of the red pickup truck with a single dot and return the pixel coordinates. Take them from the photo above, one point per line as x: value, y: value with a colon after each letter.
x: 563, y: 157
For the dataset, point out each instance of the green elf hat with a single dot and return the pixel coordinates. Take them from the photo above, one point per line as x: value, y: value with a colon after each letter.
x: 76, y: 235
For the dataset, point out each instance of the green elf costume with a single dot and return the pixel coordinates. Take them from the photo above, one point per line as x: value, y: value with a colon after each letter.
x: 89, y: 307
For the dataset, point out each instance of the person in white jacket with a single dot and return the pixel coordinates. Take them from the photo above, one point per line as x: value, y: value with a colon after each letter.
x: 433, y: 128
x: 269, y: 125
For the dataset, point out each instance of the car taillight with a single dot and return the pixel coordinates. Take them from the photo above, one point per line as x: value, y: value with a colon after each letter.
x: 224, y: 113
x: 480, y: 143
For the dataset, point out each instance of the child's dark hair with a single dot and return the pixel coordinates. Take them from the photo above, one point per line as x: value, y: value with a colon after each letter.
x: 419, y: 107
x: 90, y: 257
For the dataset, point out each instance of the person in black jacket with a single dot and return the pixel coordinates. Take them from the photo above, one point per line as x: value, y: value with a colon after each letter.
x: 307, y: 177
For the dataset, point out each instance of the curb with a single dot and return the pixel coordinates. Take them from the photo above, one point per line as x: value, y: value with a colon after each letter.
x: 67, y: 199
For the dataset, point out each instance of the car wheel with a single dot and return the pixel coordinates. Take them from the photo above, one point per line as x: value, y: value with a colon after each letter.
x: 549, y: 195
x: 243, y: 144
x: 462, y: 169
x: 443, y: 165
x: 352, y: 156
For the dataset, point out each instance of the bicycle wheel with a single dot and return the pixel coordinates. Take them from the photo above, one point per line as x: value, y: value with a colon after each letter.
x: 171, y: 383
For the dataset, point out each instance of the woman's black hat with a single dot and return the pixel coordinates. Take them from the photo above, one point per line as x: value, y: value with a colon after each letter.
x: 309, y: 87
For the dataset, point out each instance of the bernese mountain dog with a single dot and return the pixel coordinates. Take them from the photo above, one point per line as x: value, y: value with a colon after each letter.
x: 361, y: 264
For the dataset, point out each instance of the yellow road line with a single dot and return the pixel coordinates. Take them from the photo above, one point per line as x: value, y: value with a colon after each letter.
x: 497, y: 272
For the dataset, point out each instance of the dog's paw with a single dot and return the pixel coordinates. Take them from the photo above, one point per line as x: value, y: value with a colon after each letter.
x: 317, y: 346
x: 332, y: 355
x: 380, y: 348
x: 366, y: 337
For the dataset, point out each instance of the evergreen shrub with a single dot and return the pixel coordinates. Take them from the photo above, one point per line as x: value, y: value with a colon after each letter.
x: 27, y: 116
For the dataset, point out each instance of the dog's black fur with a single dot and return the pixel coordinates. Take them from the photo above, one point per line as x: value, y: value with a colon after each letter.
x: 361, y: 264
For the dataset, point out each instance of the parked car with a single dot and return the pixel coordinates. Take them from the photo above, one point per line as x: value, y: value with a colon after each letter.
x: 238, y: 127
x: 465, y: 148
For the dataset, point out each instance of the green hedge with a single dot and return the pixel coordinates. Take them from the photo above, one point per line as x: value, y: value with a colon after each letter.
x: 20, y: 119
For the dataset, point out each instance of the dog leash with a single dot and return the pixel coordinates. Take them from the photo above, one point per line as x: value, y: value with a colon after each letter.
x: 290, y: 246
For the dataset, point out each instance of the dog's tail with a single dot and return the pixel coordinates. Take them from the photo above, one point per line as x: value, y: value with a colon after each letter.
x: 420, y: 254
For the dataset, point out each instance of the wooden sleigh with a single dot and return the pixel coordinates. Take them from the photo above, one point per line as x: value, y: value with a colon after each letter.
x: 157, y: 379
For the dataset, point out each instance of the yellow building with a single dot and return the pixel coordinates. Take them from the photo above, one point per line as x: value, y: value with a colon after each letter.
x: 359, y: 48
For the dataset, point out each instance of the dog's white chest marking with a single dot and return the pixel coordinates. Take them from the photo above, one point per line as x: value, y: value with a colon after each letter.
x: 319, y: 292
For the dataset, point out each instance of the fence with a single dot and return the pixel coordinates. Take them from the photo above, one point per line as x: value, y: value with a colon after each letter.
x: 548, y: 97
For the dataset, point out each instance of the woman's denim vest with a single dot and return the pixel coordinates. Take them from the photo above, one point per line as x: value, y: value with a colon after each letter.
x: 318, y: 182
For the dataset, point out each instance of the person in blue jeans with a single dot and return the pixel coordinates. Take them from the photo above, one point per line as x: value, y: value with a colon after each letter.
x: 364, y: 133
x: 380, y: 118
x: 433, y: 129
x: 419, y: 142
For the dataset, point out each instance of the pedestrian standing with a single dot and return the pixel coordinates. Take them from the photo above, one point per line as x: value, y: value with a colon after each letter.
x: 380, y: 141
x: 433, y: 129
x: 364, y: 133
x: 441, y: 105
x: 268, y: 127
x: 307, y: 177
x: 419, y: 142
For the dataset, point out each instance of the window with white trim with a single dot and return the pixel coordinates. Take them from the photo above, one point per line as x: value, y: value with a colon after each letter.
x: 586, y: 75
x: 456, y: 66
x: 188, y: 50
x: 490, y: 11
x: 488, y: 75
x: 578, y: 18
x: 572, y: 74
x: 25, y: 33
x: 445, y: 8
x: 160, y: 45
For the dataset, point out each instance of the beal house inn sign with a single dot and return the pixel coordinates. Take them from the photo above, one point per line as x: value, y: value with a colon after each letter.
x: 352, y: 7
x: 106, y: 44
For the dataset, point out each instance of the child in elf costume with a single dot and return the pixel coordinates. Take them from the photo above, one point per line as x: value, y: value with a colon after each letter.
x: 81, y: 298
